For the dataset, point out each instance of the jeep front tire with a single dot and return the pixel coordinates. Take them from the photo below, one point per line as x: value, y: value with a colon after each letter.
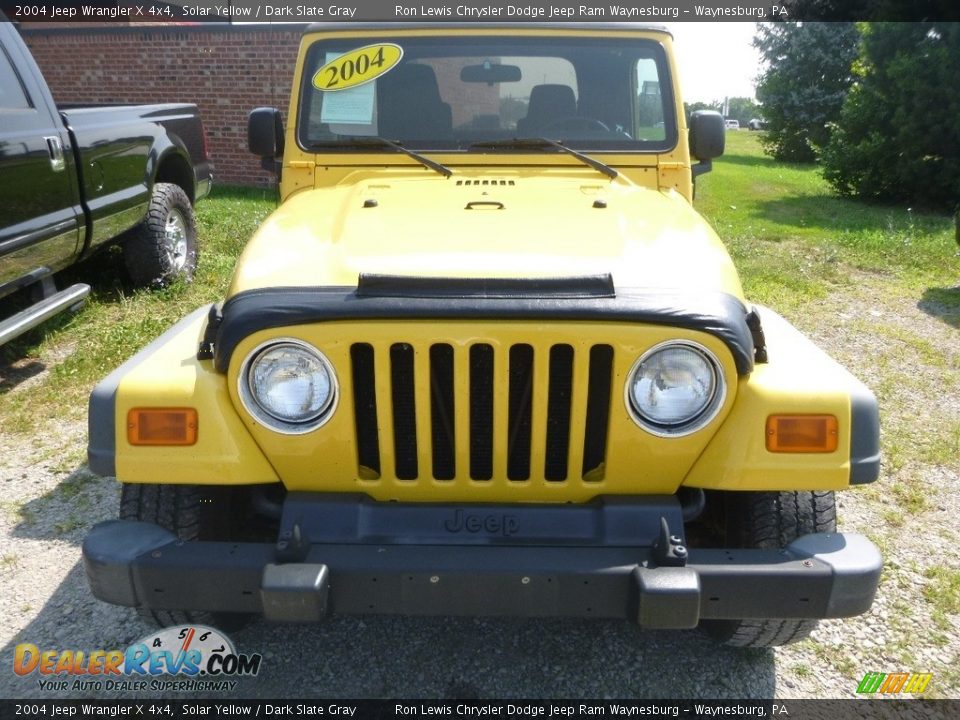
x: 770, y: 520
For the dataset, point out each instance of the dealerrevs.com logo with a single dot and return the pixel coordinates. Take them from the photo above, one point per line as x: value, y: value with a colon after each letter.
x: 181, y: 658
x: 894, y: 683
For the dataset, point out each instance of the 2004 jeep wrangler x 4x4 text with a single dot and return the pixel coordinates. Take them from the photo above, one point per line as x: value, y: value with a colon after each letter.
x: 486, y: 359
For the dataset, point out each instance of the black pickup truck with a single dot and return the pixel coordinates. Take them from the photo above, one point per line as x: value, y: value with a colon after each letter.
x: 73, y: 180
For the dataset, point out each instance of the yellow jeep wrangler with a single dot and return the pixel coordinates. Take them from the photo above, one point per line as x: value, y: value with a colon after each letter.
x: 486, y: 359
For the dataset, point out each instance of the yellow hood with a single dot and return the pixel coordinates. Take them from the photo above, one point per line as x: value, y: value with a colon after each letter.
x: 552, y: 225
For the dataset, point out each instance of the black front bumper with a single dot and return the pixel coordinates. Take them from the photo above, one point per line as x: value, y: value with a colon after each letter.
x: 411, y: 572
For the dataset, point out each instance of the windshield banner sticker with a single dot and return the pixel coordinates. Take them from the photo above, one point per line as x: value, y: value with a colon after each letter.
x: 357, y: 67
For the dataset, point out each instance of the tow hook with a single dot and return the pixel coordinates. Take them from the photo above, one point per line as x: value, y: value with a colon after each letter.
x: 669, y: 550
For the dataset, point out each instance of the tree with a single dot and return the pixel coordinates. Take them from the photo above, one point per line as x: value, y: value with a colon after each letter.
x: 693, y: 107
x: 802, y: 88
x: 742, y: 109
x: 898, y: 135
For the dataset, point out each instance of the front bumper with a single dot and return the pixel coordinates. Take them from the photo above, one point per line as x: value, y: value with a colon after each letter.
x: 820, y: 575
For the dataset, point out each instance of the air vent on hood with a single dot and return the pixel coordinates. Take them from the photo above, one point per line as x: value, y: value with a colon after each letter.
x: 488, y: 182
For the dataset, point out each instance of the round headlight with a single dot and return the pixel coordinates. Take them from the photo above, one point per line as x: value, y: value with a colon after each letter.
x: 675, y: 388
x: 289, y: 386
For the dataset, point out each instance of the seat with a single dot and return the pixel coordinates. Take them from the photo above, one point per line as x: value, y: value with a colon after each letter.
x: 548, y: 103
x: 409, y: 106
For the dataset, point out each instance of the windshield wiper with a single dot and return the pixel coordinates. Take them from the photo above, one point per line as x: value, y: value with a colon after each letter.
x: 541, y: 142
x: 367, y: 141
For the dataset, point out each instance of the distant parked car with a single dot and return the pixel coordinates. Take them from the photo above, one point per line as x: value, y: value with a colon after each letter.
x: 757, y: 124
x: 732, y: 124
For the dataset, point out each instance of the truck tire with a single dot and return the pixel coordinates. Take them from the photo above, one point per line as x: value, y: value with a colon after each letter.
x: 770, y: 520
x: 181, y: 510
x: 164, y: 246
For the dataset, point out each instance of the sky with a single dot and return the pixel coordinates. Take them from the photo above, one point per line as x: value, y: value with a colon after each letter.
x: 715, y: 59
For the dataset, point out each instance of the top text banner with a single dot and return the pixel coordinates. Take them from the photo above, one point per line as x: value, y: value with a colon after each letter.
x: 297, y: 11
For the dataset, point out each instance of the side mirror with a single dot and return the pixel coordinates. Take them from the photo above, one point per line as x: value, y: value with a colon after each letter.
x: 265, y: 132
x: 708, y: 136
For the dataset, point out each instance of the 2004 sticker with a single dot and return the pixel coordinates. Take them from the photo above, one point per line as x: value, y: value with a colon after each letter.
x: 357, y: 67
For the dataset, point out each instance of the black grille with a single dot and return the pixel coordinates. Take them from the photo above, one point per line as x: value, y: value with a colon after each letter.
x: 558, y: 412
x: 404, y: 411
x: 520, y: 409
x: 481, y: 412
x: 598, y: 412
x: 526, y: 395
x: 365, y: 410
x: 442, y: 412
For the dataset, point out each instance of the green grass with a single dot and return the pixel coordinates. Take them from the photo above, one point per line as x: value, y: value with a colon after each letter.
x: 911, y: 496
x: 118, y: 321
x: 921, y: 349
x: 792, y: 237
x: 74, y: 485
x: 68, y: 525
x: 837, y: 658
x: 17, y: 512
x: 944, y: 446
x: 942, y: 592
x: 943, y: 589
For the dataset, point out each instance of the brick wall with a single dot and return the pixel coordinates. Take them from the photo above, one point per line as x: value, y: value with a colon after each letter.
x: 226, y: 71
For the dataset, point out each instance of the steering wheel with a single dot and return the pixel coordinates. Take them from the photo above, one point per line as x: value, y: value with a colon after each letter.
x: 574, y: 123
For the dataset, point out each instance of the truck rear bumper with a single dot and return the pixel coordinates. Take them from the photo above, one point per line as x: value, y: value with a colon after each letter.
x: 817, y: 576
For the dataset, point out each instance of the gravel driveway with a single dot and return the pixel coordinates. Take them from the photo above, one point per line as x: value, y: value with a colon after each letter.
x: 47, y: 504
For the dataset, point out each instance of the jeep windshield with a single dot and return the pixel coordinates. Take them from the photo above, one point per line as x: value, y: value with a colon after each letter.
x: 468, y: 93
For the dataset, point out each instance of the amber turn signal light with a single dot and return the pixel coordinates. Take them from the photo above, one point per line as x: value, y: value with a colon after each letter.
x: 162, y: 426
x: 802, y: 433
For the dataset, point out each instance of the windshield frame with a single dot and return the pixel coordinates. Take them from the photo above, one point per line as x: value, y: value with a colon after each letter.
x: 512, y: 43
